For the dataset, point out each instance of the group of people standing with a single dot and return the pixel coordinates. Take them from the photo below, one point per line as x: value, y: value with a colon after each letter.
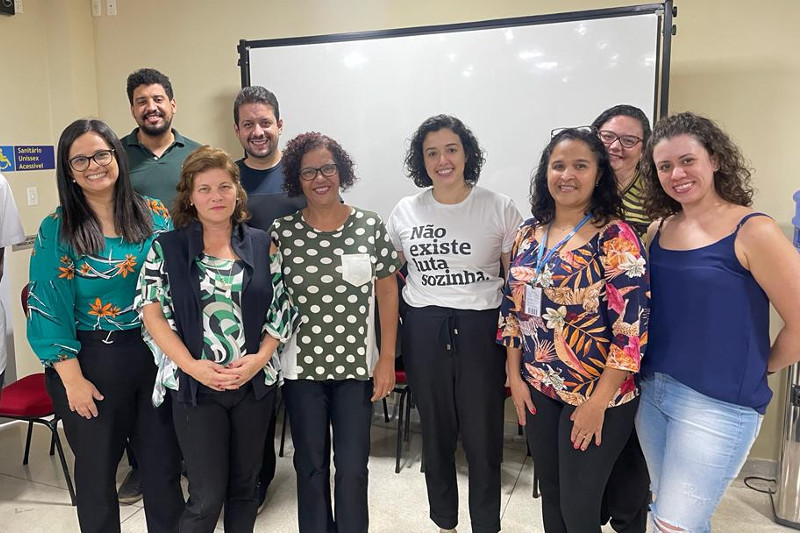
x: 173, y: 290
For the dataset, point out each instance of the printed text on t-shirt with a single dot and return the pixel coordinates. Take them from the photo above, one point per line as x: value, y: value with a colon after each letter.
x: 426, y: 257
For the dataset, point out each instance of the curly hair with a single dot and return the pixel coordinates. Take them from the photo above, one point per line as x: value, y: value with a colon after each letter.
x: 304, y: 143
x: 203, y: 159
x: 604, y: 205
x: 731, y: 180
x: 415, y: 157
x: 147, y: 76
x: 624, y: 110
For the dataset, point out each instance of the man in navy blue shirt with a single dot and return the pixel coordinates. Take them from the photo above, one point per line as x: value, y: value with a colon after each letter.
x: 257, y: 124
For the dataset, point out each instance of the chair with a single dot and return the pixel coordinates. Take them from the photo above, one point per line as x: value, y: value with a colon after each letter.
x: 27, y: 400
x: 403, y: 414
x: 283, y: 424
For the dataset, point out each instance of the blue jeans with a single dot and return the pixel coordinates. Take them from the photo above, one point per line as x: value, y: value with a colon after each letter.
x: 694, y: 446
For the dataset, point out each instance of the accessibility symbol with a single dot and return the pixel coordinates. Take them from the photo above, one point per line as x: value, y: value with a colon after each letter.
x: 7, y: 159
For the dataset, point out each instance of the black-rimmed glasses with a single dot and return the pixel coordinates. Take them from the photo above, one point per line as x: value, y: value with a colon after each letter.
x: 627, y: 141
x: 103, y: 158
x: 309, y: 173
x: 585, y: 129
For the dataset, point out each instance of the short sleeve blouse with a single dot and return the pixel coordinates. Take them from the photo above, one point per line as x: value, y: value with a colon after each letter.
x: 221, y: 282
x: 330, y: 276
x: 595, y: 309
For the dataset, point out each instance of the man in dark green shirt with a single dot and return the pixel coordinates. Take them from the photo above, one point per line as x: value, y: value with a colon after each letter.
x: 155, y: 153
x: 155, y: 150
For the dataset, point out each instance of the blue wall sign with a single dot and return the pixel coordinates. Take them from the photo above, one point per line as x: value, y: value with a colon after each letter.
x: 7, y: 159
x: 31, y: 157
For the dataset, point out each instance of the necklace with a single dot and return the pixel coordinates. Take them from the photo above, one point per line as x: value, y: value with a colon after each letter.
x: 223, y: 280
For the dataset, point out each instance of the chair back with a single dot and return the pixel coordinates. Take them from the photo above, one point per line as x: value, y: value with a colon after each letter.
x: 24, y: 298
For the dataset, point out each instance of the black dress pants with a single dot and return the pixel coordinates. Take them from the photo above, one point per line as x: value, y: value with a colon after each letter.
x: 572, y: 481
x: 314, y: 407
x: 121, y: 366
x: 222, y: 440
x: 627, y: 498
x: 269, y: 463
x: 456, y: 373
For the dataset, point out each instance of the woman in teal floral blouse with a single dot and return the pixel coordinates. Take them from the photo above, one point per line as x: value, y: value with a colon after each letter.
x: 84, y: 329
x: 574, y: 321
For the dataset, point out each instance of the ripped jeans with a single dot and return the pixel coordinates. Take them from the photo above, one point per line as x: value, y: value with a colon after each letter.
x: 695, y: 446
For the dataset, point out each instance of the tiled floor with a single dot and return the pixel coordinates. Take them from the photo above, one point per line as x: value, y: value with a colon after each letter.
x: 34, y: 498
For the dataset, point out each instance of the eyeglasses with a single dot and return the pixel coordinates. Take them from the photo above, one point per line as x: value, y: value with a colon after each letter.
x: 585, y: 129
x: 627, y: 141
x: 309, y: 173
x: 103, y: 158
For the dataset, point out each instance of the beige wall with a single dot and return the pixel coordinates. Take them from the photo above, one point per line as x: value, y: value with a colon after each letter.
x: 48, y: 80
x: 738, y: 65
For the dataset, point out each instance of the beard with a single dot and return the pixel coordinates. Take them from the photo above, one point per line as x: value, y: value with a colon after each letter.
x: 155, y: 131
x: 260, y: 154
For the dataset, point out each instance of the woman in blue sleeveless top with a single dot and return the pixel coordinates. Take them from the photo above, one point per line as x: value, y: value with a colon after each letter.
x: 715, y: 267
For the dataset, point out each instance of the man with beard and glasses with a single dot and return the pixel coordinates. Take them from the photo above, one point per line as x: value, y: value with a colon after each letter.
x: 155, y: 150
x: 257, y: 124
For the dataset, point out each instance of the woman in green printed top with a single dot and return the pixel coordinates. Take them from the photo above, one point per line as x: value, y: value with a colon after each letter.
x: 214, y: 307
x: 625, y: 130
x: 338, y: 263
x: 84, y: 329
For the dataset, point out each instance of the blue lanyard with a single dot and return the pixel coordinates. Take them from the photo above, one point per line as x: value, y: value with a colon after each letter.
x: 541, y: 262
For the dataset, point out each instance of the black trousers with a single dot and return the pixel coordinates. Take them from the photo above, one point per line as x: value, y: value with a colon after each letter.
x: 627, y: 498
x: 572, y: 481
x: 269, y: 462
x: 222, y: 440
x: 124, y: 373
x: 314, y: 407
x: 456, y: 372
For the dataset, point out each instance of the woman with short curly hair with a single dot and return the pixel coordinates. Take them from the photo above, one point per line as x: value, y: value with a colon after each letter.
x: 716, y: 266
x: 339, y: 267
x: 455, y: 236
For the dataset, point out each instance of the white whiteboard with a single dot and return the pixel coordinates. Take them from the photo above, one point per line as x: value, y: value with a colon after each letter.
x: 510, y: 85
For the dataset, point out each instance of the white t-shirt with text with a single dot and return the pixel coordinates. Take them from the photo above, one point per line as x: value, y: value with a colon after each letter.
x: 453, y: 250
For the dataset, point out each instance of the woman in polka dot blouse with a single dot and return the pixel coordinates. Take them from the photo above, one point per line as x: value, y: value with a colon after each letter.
x: 337, y: 261
x: 455, y: 236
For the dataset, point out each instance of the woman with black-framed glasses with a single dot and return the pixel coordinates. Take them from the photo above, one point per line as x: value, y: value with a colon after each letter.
x: 83, y: 328
x: 338, y: 265
x: 624, y: 131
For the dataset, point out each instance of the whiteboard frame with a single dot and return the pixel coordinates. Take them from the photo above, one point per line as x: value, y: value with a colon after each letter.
x: 508, y: 176
x: 666, y: 11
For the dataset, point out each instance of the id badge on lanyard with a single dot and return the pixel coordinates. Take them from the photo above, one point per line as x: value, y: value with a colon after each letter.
x: 533, y: 300
x: 533, y: 293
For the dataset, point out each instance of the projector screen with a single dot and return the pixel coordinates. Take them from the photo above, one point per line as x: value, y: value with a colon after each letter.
x: 511, y: 81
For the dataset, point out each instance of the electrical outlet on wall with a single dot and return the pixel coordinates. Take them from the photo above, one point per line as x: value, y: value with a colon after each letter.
x: 111, y: 7
x: 33, y: 195
x: 97, y: 8
x: 18, y: 6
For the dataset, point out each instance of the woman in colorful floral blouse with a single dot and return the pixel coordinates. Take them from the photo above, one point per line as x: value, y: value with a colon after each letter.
x: 214, y: 308
x: 84, y: 329
x: 574, y: 320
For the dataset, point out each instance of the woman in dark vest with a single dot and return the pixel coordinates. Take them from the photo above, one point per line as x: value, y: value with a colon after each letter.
x: 212, y: 300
